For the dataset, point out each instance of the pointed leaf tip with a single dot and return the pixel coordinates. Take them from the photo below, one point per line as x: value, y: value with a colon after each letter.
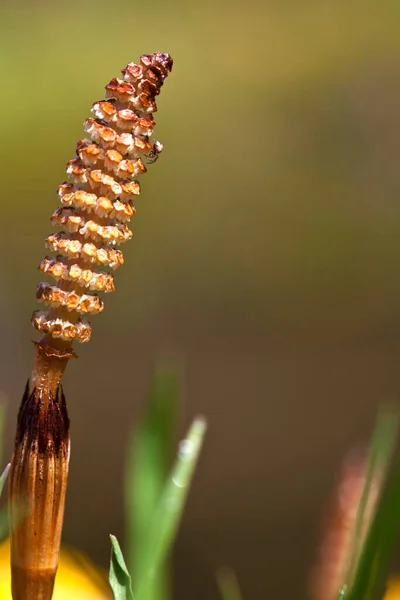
x: 228, y: 584
x: 120, y: 580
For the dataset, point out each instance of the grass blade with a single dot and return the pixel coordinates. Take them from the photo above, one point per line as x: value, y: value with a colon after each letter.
x: 4, y: 525
x: 169, y: 509
x: 380, y: 455
x: 3, y: 405
x: 150, y: 451
x: 120, y: 579
x: 228, y: 584
x: 3, y: 477
x: 372, y: 558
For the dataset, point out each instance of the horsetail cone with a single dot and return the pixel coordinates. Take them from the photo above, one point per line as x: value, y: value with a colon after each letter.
x: 98, y: 202
x: 96, y: 205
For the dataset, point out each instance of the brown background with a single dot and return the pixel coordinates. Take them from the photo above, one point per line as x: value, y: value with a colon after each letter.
x: 265, y: 257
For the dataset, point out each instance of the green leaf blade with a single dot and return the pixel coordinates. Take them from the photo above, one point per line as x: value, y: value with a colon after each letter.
x: 371, y: 561
x: 149, y: 453
x: 228, y: 584
x: 120, y: 580
x: 169, y: 509
x: 3, y: 477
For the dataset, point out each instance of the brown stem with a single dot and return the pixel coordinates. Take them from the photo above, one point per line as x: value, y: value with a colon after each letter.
x: 38, y: 478
x: 50, y: 364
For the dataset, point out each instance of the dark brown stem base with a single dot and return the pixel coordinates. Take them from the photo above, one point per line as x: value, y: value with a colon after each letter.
x: 38, y: 479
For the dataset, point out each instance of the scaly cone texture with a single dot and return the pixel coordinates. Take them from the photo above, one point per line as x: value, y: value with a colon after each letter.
x: 97, y: 204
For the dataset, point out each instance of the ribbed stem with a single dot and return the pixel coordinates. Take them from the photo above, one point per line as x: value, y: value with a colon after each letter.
x: 37, y: 486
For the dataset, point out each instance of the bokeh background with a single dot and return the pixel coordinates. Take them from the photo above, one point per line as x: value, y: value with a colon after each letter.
x: 265, y: 258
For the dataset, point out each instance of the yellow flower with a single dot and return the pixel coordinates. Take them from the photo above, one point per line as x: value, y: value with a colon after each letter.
x: 76, y: 577
x: 392, y: 589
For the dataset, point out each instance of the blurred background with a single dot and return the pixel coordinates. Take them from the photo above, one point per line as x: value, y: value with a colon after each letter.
x: 265, y: 258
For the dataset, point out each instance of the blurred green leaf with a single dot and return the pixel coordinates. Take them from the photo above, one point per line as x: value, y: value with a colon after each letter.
x: 120, y: 580
x: 3, y: 404
x: 170, y: 507
x: 146, y: 473
x: 3, y: 477
x: 380, y: 455
x: 343, y: 593
x: 4, y: 524
x: 228, y: 584
x: 371, y: 561
x: 19, y: 509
